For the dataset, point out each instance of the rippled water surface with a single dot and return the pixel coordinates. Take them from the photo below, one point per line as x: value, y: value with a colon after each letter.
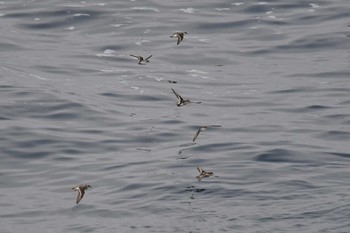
x: 76, y: 108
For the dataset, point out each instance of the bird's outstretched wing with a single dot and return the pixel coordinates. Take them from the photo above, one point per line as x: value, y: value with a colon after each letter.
x: 177, y: 95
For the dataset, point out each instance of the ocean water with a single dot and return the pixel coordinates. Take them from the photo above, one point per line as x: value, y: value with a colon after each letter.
x: 76, y: 108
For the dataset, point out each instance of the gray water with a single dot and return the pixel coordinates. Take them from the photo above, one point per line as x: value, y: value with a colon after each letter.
x: 75, y: 108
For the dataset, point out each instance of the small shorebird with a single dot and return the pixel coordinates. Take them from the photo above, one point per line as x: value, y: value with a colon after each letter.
x: 179, y: 36
x: 81, y: 191
x: 142, y: 61
x: 203, y: 173
x: 181, y: 101
x: 202, y: 128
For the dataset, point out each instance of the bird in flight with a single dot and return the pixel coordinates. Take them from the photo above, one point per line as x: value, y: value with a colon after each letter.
x: 141, y: 60
x: 203, y: 128
x: 179, y: 36
x: 181, y: 101
x: 81, y: 191
x: 203, y: 173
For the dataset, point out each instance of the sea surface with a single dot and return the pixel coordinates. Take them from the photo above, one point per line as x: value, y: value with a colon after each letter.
x: 75, y: 108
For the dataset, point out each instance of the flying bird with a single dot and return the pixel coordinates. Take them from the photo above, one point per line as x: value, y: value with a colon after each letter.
x: 81, y: 191
x: 202, y: 128
x: 203, y: 173
x: 141, y: 60
x: 179, y: 36
x: 181, y: 101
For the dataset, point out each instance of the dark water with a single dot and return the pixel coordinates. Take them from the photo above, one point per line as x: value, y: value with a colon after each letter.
x: 76, y: 108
